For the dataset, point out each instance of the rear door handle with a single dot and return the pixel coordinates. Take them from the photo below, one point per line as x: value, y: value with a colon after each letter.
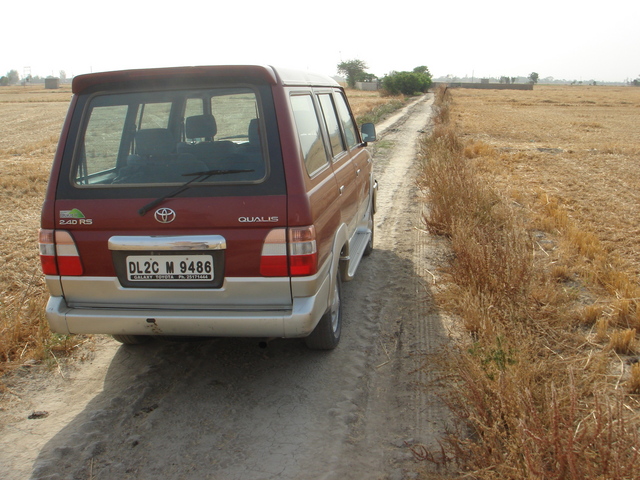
x: 341, y: 189
x: 358, y: 173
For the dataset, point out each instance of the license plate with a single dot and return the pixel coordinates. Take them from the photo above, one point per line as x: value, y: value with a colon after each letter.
x: 170, y: 268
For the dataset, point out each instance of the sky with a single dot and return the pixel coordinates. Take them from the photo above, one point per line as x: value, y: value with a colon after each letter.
x: 564, y: 39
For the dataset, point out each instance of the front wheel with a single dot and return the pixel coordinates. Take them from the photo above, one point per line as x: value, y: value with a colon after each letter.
x: 326, y: 335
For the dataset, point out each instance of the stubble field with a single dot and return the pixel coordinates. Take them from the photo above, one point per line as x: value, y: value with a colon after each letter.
x: 577, y: 144
x: 30, y: 121
x: 537, y: 191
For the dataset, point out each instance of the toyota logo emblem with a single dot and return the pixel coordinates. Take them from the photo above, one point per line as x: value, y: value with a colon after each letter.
x: 165, y: 215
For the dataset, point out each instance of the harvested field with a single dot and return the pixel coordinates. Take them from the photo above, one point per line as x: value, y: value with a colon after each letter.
x: 30, y: 120
x: 578, y: 144
x: 364, y: 102
x: 537, y: 192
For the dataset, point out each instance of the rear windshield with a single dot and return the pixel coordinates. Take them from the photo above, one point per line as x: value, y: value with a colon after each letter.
x: 171, y: 137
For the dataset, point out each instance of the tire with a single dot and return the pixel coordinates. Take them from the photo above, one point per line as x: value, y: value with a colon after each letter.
x: 369, y: 248
x: 131, y: 339
x: 326, y: 335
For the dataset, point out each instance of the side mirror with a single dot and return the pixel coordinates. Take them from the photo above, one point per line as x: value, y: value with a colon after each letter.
x: 368, y: 131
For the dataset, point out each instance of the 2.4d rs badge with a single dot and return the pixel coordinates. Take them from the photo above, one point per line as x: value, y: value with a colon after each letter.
x: 74, y: 217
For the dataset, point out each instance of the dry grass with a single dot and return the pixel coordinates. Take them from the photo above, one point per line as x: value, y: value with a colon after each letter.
x: 548, y: 297
x: 634, y: 379
x: 30, y: 120
x: 373, y: 106
x: 363, y: 102
x: 569, y: 156
x: 578, y: 147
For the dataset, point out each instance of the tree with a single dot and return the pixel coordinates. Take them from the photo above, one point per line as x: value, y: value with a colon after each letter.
x: 354, y: 70
x: 533, y: 78
x: 408, y: 83
x: 13, y: 77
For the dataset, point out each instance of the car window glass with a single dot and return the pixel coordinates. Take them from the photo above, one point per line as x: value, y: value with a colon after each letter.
x: 155, y: 115
x: 102, y: 140
x: 194, y: 107
x: 164, y: 137
x: 331, y: 122
x: 309, y: 133
x: 347, y: 122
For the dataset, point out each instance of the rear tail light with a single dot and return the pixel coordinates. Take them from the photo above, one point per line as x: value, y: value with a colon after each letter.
x: 48, y: 252
x: 303, y: 252
x: 58, y: 253
x: 301, y: 257
x: 273, y: 262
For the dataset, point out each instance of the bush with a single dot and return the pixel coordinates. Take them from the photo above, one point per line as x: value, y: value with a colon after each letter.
x: 407, y: 83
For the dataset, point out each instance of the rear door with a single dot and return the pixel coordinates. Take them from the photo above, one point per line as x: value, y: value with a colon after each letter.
x: 342, y: 161
x: 169, y: 195
x: 360, y: 155
x: 321, y: 191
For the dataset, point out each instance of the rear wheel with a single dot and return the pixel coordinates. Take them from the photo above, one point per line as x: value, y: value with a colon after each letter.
x: 131, y: 339
x: 326, y: 335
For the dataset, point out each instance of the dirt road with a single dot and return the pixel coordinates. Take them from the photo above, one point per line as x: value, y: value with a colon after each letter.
x: 227, y: 409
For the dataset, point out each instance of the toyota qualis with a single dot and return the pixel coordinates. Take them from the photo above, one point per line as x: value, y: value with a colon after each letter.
x: 206, y: 201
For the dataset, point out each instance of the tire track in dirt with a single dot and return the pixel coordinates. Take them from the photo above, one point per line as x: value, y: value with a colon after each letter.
x: 402, y: 408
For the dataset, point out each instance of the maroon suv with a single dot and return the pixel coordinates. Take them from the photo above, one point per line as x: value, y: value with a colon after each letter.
x: 206, y: 201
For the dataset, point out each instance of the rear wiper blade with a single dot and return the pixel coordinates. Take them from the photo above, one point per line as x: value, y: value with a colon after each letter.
x: 197, y: 176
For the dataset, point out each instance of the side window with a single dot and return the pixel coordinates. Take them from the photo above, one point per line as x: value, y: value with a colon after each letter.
x: 101, y: 141
x: 308, y: 127
x: 331, y: 121
x: 347, y: 122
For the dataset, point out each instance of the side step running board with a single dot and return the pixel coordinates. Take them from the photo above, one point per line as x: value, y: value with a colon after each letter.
x: 358, y: 246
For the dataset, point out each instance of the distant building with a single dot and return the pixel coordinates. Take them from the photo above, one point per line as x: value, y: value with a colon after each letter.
x: 370, y: 86
x: 51, y: 83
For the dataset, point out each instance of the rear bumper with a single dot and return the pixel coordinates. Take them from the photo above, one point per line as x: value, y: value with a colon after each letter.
x: 297, y: 321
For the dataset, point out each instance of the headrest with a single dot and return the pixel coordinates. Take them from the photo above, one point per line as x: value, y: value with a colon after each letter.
x: 254, y: 132
x: 200, y: 126
x: 154, y: 141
